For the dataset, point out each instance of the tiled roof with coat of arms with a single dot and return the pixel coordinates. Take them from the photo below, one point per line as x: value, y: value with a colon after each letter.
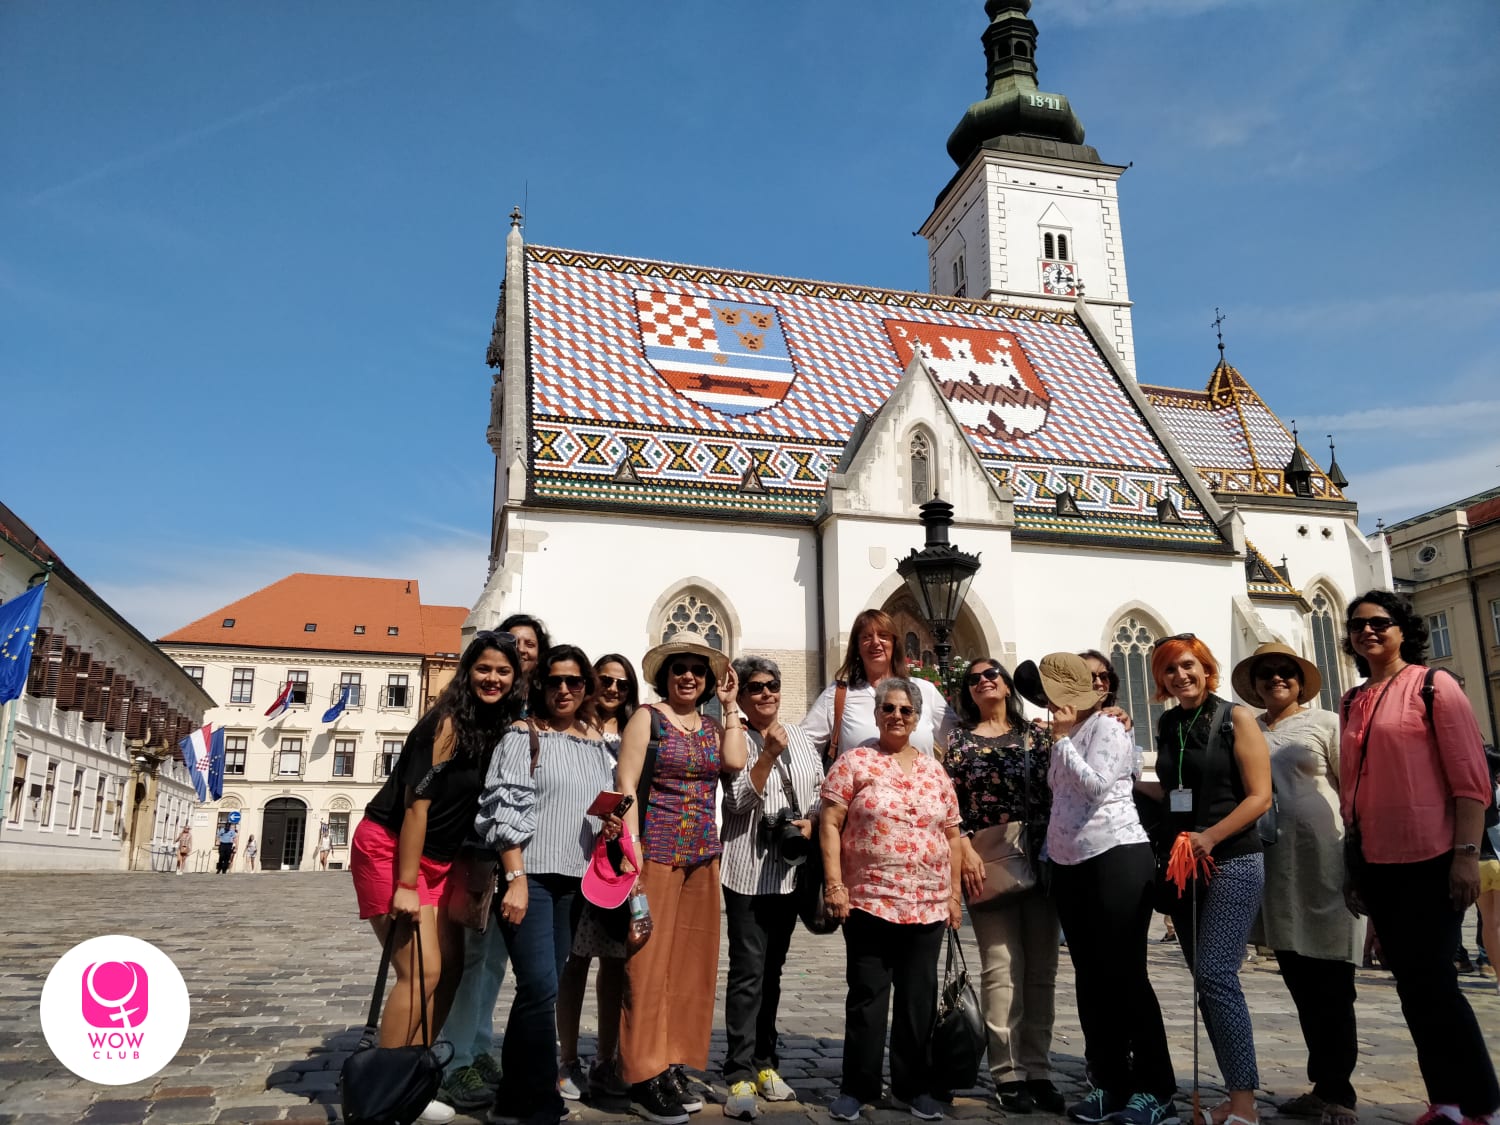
x: 667, y: 387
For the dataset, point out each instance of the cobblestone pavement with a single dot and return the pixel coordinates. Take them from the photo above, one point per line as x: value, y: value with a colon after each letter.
x: 279, y: 971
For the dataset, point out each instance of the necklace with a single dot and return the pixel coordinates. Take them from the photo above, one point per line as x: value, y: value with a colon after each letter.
x: 680, y: 723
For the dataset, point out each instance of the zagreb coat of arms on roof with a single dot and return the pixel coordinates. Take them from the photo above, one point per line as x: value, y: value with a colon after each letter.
x: 983, y: 372
x: 729, y: 356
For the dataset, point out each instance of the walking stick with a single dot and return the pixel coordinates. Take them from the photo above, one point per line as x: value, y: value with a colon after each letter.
x: 1184, y: 867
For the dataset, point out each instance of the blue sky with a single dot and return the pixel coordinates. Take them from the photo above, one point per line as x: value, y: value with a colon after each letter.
x: 250, y: 253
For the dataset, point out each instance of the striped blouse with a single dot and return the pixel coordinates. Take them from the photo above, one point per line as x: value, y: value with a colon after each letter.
x: 746, y: 867
x: 543, y: 814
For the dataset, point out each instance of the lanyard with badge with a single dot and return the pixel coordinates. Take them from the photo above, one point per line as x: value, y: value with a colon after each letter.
x: 1180, y: 800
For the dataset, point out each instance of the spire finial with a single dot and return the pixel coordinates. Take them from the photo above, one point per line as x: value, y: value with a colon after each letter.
x: 515, y: 217
x: 1219, y: 319
x: 1335, y: 474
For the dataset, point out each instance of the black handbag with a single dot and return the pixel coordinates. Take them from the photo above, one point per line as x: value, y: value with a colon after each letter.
x: 391, y: 1085
x: 958, y: 1034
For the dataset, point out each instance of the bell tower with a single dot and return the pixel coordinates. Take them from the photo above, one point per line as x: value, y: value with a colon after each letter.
x: 1032, y: 215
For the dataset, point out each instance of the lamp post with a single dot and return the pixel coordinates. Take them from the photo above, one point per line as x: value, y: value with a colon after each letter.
x: 938, y: 576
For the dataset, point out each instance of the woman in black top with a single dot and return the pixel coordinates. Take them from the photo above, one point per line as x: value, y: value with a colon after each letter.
x: 403, y: 849
x: 1215, y: 777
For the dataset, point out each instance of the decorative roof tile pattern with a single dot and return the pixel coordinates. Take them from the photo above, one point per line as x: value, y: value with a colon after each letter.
x: 1236, y: 443
x: 1263, y: 580
x: 666, y: 386
x: 277, y: 616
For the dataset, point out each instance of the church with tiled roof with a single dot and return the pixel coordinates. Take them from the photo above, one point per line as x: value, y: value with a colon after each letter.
x: 697, y: 448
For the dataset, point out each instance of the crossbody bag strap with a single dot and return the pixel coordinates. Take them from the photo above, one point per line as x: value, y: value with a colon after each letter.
x: 785, y: 773
x: 1364, y: 743
x: 536, y: 745
x: 1215, y: 739
x: 840, y: 697
x: 648, y: 767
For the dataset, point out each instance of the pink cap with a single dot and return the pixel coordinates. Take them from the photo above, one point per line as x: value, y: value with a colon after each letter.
x: 604, y: 884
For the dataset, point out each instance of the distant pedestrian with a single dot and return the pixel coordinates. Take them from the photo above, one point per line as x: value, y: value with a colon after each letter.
x: 324, y: 846
x: 228, y: 837
x: 252, y: 849
x: 184, y: 847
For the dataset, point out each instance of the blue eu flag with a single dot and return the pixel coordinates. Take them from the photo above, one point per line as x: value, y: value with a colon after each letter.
x: 18, y: 621
x: 338, y: 708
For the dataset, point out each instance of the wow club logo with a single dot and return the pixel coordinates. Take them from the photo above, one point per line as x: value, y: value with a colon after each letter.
x: 114, y: 1010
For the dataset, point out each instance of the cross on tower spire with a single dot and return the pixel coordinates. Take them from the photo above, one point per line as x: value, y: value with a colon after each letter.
x: 1219, y: 319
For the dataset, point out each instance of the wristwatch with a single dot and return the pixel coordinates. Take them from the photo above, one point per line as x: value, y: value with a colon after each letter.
x: 512, y: 876
x: 1466, y: 849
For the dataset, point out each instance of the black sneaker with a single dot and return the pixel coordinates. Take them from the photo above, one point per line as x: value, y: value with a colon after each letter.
x: 1015, y: 1097
x: 689, y: 1098
x: 1046, y: 1097
x: 1097, y: 1106
x: 656, y: 1100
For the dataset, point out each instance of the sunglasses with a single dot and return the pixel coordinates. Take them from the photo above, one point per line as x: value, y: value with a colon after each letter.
x: 493, y: 638
x: 1099, y: 677
x: 761, y: 687
x: 891, y: 709
x: 1174, y: 637
x: 614, y: 682
x: 1376, y: 625
x: 991, y: 673
x: 682, y: 669
x: 572, y: 683
x: 1280, y: 672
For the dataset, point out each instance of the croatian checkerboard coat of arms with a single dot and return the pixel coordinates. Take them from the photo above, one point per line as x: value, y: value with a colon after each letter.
x: 983, y: 372
x: 729, y: 356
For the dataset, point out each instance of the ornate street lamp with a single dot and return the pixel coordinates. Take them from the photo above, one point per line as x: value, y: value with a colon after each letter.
x: 938, y: 576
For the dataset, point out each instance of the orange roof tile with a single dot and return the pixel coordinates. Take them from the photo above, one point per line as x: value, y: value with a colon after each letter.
x: 338, y: 605
x: 1484, y: 512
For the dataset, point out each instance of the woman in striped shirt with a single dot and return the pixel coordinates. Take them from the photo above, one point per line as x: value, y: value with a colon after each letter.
x: 547, y: 772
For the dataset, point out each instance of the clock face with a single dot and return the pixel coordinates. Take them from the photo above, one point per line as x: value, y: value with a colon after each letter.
x: 1059, y: 279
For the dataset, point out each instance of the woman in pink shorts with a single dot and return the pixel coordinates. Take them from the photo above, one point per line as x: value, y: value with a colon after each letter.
x: 403, y: 849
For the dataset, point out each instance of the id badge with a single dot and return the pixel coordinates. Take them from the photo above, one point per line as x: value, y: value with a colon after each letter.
x: 1181, y: 800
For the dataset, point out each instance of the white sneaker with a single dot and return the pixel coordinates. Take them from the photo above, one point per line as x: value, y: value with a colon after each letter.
x: 437, y: 1113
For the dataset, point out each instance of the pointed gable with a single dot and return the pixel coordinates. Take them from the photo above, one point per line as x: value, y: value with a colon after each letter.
x: 660, y: 387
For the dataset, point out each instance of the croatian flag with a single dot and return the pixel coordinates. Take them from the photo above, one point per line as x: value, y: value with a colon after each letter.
x: 198, y: 754
x: 283, y: 701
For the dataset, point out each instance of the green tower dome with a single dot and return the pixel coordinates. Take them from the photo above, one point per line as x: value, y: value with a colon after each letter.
x: 1015, y: 106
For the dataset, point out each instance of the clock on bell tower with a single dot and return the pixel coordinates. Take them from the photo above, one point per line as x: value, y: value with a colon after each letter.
x: 1032, y: 215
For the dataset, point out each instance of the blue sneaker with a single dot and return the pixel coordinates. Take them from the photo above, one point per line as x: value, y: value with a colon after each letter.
x: 1097, y: 1105
x: 1144, y: 1109
x: 845, y: 1107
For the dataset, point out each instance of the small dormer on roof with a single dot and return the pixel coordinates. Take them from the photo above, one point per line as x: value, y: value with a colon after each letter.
x: 1298, y: 473
x: 1335, y: 474
x: 1263, y: 580
x: 1015, y: 107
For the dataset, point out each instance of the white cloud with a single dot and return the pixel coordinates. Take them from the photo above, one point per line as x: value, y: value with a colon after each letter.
x: 1397, y: 492
x: 1442, y: 419
x: 450, y: 566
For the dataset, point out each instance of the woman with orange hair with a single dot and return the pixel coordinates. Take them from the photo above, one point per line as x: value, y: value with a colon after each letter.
x: 1215, y: 773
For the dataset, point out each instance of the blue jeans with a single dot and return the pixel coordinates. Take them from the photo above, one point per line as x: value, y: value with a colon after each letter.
x: 470, y: 1026
x: 538, y: 948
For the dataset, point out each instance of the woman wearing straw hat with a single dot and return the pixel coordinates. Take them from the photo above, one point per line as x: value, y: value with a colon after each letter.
x: 1102, y: 880
x: 668, y: 1012
x: 1315, y: 937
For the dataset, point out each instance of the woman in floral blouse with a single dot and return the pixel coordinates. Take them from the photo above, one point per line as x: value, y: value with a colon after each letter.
x: 998, y: 762
x: 890, y: 820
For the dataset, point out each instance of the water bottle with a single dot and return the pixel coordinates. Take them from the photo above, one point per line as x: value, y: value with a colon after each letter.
x: 640, y: 921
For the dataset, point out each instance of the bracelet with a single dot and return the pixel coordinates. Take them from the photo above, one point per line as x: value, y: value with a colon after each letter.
x: 835, y: 888
x: 407, y: 886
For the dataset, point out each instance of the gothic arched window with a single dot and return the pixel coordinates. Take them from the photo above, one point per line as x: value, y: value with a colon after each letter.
x: 695, y: 614
x: 1062, y: 248
x: 1130, y: 653
x: 1326, y: 651
x: 920, y: 454
x: 1049, y: 247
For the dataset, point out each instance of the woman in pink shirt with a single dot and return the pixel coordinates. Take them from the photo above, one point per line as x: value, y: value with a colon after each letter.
x: 1413, y: 793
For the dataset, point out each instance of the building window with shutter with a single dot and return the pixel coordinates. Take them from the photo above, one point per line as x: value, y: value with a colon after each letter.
x: 98, y: 803
x: 343, y: 757
x: 242, y: 685
x: 236, y: 750
x: 49, y: 792
x: 17, y: 803
x: 194, y: 673
x: 351, y: 685
x: 1437, y: 630
x: 338, y: 830
x: 396, y: 691
x: 1062, y: 248
x: 289, y: 761
x: 1049, y: 247
x: 298, y: 679
x: 1495, y: 619
x: 390, y: 750
x: 75, y: 808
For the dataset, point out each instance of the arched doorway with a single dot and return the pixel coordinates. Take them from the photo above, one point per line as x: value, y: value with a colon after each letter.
x: 913, y: 635
x: 283, y: 831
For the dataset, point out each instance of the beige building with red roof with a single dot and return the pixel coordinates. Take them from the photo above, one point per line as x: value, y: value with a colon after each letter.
x: 298, y: 782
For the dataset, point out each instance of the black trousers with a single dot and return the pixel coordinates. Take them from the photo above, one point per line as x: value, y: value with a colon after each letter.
x: 881, y: 955
x: 1418, y: 928
x: 760, y: 932
x: 1104, y: 904
x: 1323, y: 991
x: 226, y: 854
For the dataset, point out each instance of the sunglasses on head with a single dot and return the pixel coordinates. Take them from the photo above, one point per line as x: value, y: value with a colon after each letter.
x: 682, y: 668
x: 892, y: 708
x: 1376, y: 625
x: 1174, y: 637
x: 760, y: 687
x: 614, y: 682
x: 492, y: 637
x: 572, y: 683
x: 990, y: 673
x: 1278, y: 672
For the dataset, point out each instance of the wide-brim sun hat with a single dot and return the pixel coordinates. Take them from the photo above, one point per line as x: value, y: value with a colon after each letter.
x: 1243, y: 676
x: 1059, y: 679
x: 604, y: 883
x: 686, y: 644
